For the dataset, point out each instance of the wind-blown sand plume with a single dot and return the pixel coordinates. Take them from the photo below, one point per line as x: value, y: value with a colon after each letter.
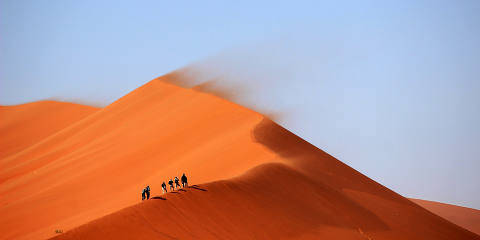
x: 261, y: 181
x: 467, y: 218
x: 24, y: 125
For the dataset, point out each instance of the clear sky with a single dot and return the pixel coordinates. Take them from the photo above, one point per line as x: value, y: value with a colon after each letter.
x: 390, y: 88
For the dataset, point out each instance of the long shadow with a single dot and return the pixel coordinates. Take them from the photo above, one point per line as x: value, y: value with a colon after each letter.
x: 158, y: 197
x: 175, y: 192
x: 198, y: 188
x: 183, y: 190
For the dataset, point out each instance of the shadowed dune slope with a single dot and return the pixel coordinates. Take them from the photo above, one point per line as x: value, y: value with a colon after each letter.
x: 271, y: 201
x: 465, y: 217
x: 24, y: 125
x: 263, y: 179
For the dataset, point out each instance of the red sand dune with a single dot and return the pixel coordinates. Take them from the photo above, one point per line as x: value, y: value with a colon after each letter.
x: 24, y: 125
x: 467, y: 218
x: 260, y: 180
x: 272, y: 201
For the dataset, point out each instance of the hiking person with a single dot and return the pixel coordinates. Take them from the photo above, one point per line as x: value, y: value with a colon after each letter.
x: 148, y: 192
x: 170, y: 182
x: 177, y: 185
x: 164, y: 187
x: 184, y: 181
x: 143, y: 194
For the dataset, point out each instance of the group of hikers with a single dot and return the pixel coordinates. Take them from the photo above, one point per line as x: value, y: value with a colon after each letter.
x: 146, y: 193
x: 146, y: 190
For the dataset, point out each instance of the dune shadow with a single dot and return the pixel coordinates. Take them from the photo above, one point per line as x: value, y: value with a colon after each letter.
x: 198, y: 188
x: 158, y: 197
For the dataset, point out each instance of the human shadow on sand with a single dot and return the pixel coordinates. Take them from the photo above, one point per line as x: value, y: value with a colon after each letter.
x: 158, y: 197
x: 198, y: 188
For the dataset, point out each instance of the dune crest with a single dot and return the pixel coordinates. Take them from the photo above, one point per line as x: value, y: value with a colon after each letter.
x: 282, y: 200
x: 254, y: 174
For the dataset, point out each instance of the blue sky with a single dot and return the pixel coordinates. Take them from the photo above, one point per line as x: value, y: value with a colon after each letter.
x: 390, y: 88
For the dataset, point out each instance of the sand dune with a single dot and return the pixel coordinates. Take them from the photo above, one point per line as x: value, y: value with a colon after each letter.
x: 100, y: 164
x: 271, y: 201
x: 24, y: 125
x: 467, y: 218
x: 257, y: 177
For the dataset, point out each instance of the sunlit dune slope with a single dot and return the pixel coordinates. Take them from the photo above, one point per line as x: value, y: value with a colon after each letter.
x: 271, y: 201
x: 24, y: 125
x: 262, y: 178
x: 465, y: 217
x: 101, y: 163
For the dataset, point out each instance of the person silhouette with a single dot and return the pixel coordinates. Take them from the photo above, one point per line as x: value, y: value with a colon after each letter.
x: 170, y: 182
x: 164, y: 187
x: 143, y: 194
x: 148, y: 192
x: 184, y: 181
x: 177, y: 184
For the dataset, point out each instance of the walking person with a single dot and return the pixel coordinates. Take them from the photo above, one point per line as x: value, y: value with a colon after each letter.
x: 143, y: 194
x: 148, y: 192
x: 170, y: 182
x: 184, y: 181
x: 177, y: 184
x: 164, y: 188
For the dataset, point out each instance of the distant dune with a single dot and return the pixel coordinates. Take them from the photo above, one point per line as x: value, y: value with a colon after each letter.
x: 466, y: 217
x: 254, y: 179
x: 24, y: 125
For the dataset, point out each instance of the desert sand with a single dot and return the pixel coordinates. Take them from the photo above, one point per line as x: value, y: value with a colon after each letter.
x: 253, y: 179
x: 468, y: 218
x: 27, y: 124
